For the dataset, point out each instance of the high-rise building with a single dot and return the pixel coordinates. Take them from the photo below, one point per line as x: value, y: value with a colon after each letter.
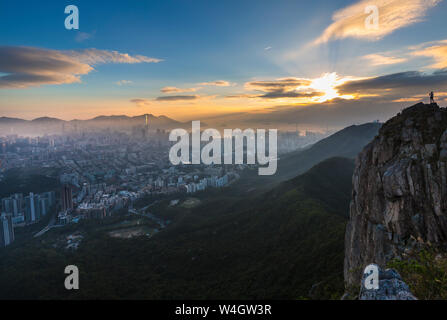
x: 51, y: 196
x: 32, y: 208
x: 67, y: 198
x: 6, y: 230
x: 7, y: 205
x: 17, y: 204
x: 44, y: 206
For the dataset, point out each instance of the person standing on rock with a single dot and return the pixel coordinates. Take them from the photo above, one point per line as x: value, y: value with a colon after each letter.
x: 432, y: 97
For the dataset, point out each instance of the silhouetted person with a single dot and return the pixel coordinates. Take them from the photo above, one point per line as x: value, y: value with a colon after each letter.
x: 432, y: 97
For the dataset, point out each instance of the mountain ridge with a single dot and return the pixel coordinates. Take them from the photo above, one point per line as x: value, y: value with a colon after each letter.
x: 399, y: 197
x: 100, y: 117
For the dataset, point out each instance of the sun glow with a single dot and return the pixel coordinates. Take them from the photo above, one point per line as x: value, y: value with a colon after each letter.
x: 328, y: 84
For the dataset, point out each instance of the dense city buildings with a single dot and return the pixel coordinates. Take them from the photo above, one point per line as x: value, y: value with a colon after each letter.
x: 101, y: 171
x: 30, y: 208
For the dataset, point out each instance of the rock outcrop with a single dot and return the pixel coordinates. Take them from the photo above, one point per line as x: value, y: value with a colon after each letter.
x: 391, y: 287
x: 399, y: 197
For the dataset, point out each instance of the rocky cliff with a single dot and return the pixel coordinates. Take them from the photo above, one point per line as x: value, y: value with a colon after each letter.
x: 399, y: 197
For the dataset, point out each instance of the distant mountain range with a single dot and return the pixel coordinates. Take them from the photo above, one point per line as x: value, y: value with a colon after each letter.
x: 123, y: 118
x: 48, y: 125
x: 346, y: 143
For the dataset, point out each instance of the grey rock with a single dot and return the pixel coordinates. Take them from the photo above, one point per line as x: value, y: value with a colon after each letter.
x: 391, y: 287
x: 399, y: 197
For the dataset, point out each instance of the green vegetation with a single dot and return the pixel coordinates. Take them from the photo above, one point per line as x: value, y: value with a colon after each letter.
x: 24, y: 181
x: 286, y: 244
x: 425, y: 272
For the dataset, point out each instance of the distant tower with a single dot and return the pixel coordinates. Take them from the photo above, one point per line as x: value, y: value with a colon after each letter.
x: 146, y: 128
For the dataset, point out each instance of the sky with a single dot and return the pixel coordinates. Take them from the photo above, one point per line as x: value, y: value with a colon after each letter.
x: 313, y: 64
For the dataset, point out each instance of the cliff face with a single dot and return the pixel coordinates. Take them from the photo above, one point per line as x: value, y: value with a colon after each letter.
x: 399, y: 197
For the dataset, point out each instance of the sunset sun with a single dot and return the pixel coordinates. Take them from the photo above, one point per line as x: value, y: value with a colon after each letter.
x: 328, y: 84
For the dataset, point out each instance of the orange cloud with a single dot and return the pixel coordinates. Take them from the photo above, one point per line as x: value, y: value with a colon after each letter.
x: 393, y: 15
x: 217, y: 83
x: 141, y: 102
x: 177, y: 90
x: 377, y: 59
x: 438, y: 52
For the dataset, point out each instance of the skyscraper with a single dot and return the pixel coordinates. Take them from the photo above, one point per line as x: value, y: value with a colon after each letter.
x: 32, y: 208
x: 6, y: 230
x: 7, y: 205
x: 67, y: 198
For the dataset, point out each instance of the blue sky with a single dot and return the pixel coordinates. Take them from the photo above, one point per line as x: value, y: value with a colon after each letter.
x: 239, y: 42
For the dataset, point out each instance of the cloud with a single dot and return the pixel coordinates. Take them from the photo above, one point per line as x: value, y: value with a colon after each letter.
x: 393, y: 14
x: 25, y: 67
x: 438, y: 52
x: 95, y: 56
x: 177, y: 90
x: 401, y: 85
x: 377, y: 59
x: 29, y: 66
x: 141, y: 102
x: 284, y: 84
x: 123, y: 82
x: 290, y: 94
x: 82, y: 36
x: 282, y: 88
x: 178, y: 98
x: 396, y: 87
x: 217, y: 83
x: 242, y: 96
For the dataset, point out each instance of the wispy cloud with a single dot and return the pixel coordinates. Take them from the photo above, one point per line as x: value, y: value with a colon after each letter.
x: 141, y: 102
x: 283, y: 84
x: 393, y: 15
x: 123, y: 82
x: 282, y: 88
x: 178, y: 98
x: 217, y: 83
x: 95, y: 56
x: 177, y: 90
x: 83, y: 36
x: 377, y: 59
x: 437, y: 51
x: 29, y: 66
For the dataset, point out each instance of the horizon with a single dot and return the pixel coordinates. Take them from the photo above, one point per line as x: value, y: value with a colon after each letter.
x: 94, y: 117
x: 138, y: 115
